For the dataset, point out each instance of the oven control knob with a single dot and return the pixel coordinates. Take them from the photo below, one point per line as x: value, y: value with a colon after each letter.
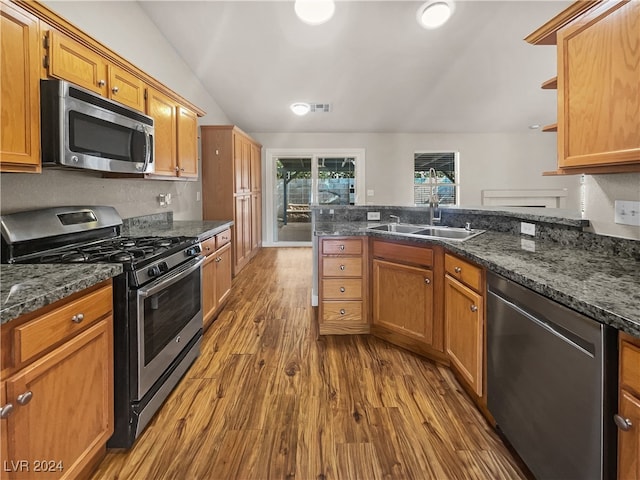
x: 192, y: 251
x: 153, y: 271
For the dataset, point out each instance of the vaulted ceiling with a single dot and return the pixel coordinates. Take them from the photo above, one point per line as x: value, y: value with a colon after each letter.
x: 379, y: 70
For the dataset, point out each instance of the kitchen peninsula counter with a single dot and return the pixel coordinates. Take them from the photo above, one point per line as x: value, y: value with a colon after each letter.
x: 27, y: 287
x: 600, y: 285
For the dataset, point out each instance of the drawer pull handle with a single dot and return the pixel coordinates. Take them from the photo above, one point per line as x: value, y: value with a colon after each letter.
x: 457, y: 269
x: 342, y: 289
x: 427, y: 281
x: 342, y: 267
x: 25, y: 397
x: 6, y: 410
x: 341, y: 247
x: 342, y: 311
x: 78, y: 318
x: 473, y: 308
x: 622, y: 423
x: 207, y: 248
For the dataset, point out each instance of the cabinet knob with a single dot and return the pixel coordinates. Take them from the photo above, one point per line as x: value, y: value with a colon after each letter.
x: 182, y: 169
x: 177, y: 169
x: 25, y: 397
x: 342, y: 289
x: 342, y: 267
x: 78, y: 318
x: 207, y: 248
x: 101, y: 83
x: 115, y: 90
x: 457, y: 269
x: 6, y: 410
x: 473, y: 308
x: 218, y: 259
x: 427, y: 281
x: 342, y: 311
x: 622, y: 423
x: 341, y: 247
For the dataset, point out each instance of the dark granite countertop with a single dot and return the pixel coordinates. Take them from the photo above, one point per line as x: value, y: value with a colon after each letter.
x: 601, y: 286
x: 26, y: 288
x: 187, y: 228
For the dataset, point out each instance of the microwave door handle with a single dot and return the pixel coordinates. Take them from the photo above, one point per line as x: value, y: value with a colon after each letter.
x: 168, y: 281
x: 147, y: 149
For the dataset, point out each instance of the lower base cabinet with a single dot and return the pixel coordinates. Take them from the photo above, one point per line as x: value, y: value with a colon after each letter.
x: 628, y: 417
x: 216, y: 275
x: 57, y: 406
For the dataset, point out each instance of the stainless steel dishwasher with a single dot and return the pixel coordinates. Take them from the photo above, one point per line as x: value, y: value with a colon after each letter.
x: 551, y: 383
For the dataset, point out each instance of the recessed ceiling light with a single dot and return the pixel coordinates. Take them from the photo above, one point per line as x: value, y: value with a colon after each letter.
x: 434, y: 13
x: 315, y: 12
x: 535, y: 126
x: 300, y: 108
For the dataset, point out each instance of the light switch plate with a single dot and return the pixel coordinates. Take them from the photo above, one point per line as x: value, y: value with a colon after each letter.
x: 627, y: 212
x: 528, y: 228
x: 370, y: 193
x: 373, y: 215
x: 528, y: 245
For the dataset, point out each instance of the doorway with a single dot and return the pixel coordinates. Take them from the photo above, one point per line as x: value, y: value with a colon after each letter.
x: 300, y: 179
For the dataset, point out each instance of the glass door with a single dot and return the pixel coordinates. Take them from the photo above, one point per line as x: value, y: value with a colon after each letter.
x: 292, y: 199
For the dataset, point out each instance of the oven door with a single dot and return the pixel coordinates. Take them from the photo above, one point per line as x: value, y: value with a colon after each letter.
x: 169, y: 316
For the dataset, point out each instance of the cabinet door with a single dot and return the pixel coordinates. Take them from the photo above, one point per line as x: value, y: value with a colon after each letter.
x: 4, y: 433
x: 629, y: 441
x: 464, y: 320
x: 242, y: 229
x: 598, y: 120
x: 256, y: 168
x: 403, y: 299
x: 163, y: 111
x: 223, y: 273
x: 256, y: 221
x: 241, y: 163
x: 125, y: 88
x: 74, y: 62
x: 187, y: 143
x: 209, y: 298
x: 19, y: 91
x: 69, y: 416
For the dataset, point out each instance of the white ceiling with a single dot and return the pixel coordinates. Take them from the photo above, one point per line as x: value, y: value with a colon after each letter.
x: 377, y: 67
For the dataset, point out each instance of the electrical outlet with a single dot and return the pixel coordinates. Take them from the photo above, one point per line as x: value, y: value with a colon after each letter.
x: 198, y: 196
x: 528, y: 245
x: 528, y: 228
x: 167, y: 198
x: 373, y: 215
x: 627, y: 212
x: 370, y: 193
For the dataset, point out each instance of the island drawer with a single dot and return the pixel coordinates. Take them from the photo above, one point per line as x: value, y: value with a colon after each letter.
x: 341, y: 311
x: 342, y: 288
x: 351, y: 246
x: 403, y: 253
x: 341, y: 267
x: 465, y: 272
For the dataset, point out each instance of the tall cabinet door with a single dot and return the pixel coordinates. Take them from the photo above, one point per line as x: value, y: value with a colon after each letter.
x: 52, y: 423
x: 242, y: 227
x: 19, y: 91
x: 163, y: 111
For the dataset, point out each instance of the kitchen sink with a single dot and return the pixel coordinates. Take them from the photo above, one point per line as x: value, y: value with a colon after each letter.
x: 425, y: 231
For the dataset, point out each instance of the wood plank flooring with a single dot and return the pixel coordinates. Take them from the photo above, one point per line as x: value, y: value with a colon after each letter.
x: 268, y: 399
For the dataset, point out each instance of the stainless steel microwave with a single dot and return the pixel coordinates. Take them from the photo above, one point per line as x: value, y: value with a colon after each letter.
x: 84, y: 130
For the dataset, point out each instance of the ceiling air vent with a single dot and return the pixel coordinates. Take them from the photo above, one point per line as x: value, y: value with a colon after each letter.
x: 320, y: 107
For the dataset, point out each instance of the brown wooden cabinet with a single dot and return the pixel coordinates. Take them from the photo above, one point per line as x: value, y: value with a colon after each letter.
x: 232, y: 188
x: 216, y: 275
x: 464, y: 320
x: 406, y: 296
x: 628, y: 416
x: 598, y: 85
x: 343, y: 274
x: 19, y: 90
x: 58, y: 378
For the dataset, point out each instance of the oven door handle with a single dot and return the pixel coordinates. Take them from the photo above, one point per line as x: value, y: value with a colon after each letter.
x: 179, y: 274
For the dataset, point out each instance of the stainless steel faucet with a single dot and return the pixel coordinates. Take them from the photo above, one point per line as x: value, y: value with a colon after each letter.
x: 396, y: 217
x: 434, y: 201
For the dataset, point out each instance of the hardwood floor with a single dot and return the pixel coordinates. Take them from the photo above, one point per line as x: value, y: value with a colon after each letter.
x: 267, y: 399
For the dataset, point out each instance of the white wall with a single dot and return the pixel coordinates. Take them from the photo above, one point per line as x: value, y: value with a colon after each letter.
x: 125, y: 28
x: 487, y: 161
x: 601, y: 193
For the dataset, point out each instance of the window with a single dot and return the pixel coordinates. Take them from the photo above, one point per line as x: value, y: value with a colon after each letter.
x: 445, y: 165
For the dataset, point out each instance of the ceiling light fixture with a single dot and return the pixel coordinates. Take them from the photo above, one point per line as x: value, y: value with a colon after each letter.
x: 434, y: 13
x: 300, y: 108
x: 314, y: 12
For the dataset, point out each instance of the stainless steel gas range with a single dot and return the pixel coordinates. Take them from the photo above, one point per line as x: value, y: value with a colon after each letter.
x: 156, y: 300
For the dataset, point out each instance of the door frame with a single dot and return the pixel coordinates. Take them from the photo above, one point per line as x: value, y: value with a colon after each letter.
x: 271, y: 154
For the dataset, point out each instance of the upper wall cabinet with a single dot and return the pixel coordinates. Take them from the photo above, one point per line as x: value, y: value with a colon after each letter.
x: 19, y: 90
x: 37, y: 43
x: 598, y: 85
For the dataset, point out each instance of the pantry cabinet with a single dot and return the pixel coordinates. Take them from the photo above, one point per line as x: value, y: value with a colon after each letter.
x: 216, y: 275
x: 598, y: 85
x: 57, y: 387
x: 464, y: 318
x: 628, y: 416
x: 19, y: 90
x: 232, y: 187
x: 406, y: 295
